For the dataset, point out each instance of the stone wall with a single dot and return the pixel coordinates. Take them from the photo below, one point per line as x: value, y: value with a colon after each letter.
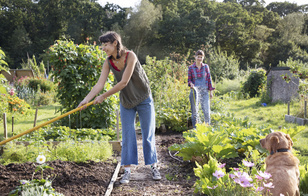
x: 280, y: 90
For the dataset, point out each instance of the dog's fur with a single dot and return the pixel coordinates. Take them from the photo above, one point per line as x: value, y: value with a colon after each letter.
x: 283, y: 166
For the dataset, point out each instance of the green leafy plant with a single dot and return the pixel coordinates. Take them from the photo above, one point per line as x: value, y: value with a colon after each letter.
x: 299, y: 70
x: 3, y: 63
x: 76, y: 69
x: 254, y: 83
x: 203, y: 143
x: 223, y: 66
x: 303, y: 183
x: 166, y: 79
x: 63, y: 133
x: 70, y: 150
x: 36, y: 186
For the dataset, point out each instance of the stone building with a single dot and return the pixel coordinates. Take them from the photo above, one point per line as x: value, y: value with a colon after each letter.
x: 278, y: 88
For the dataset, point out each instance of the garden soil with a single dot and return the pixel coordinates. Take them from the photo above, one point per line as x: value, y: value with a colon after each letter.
x: 93, y: 178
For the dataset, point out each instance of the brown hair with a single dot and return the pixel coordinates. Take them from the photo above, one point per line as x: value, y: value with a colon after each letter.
x: 110, y: 37
x: 199, y: 52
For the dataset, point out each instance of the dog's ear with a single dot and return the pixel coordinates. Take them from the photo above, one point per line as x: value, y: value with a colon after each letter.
x: 274, y: 142
x: 290, y: 142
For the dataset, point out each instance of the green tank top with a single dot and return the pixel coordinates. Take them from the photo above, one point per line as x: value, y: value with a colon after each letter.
x: 138, y: 87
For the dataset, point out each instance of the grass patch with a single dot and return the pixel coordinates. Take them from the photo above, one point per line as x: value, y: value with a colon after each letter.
x: 23, y: 123
x: 227, y: 85
x: 272, y: 115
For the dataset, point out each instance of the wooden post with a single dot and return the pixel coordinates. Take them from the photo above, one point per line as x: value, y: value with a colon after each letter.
x: 80, y: 120
x: 288, y: 108
x: 35, y: 117
x: 118, y: 125
x: 305, y: 109
x: 12, y: 125
x: 5, y: 126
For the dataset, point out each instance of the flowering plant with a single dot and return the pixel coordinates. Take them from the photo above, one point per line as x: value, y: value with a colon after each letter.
x: 17, y: 105
x: 36, y: 186
x: 248, y: 179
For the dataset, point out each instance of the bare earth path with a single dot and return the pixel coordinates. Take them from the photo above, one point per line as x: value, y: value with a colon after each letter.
x: 177, y: 177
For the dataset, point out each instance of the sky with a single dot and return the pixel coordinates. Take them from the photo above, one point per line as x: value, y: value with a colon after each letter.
x: 133, y: 3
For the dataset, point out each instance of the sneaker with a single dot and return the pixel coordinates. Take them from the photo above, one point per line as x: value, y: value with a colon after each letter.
x: 155, y: 173
x: 125, y: 178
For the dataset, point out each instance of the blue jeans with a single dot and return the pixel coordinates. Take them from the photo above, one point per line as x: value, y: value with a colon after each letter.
x: 146, y: 113
x: 201, y: 96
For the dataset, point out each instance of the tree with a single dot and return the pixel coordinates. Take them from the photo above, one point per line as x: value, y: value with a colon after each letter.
x: 291, y: 28
x: 234, y: 29
x: 186, y: 27
x: 140, y: 25
x: 283, y: 8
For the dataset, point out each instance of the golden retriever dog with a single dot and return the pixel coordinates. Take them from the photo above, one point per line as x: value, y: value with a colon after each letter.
x: 281, y: 164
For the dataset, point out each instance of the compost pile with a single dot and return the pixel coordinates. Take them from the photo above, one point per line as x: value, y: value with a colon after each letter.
x: 93, y: 178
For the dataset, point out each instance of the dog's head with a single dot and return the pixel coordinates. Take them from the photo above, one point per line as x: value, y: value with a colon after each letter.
x: 276, y: 140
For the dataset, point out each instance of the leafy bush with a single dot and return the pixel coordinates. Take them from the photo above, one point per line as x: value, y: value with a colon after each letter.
x: 35, y: 91
x: 166, y: 80
x: 255, y: 82
x: 223, y: 66
x: 203, y: 143
x: 41, y: 83
x: 297, y: 67
x: 76, y: 69
x: 15, y: 104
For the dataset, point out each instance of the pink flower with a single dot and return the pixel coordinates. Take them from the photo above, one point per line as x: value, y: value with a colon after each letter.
x: 236, y: 169
x: 232, y: 176
x: 12, y: 92
x: 244, y: 180
x: 269, y: 185
x: 258, y: 177
x: 245, y: 184
x: 237, y: 174
x: 248, y: 164
x: 264, y: 175
x: 218, y: 174
x: 214, y: 187
x: 222, y: 165
x: 259, y: 189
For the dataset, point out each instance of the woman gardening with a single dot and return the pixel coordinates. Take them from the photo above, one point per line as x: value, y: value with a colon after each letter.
x: 135, y: 96
x: 200, y: 82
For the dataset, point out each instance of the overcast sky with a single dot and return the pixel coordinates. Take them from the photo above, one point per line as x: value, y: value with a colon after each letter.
x: 132, y: 3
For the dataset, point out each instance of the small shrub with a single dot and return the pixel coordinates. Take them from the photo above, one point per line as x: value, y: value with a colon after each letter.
x: 223, y: 66
x: 41, y: 83
x: 255, y: 82
x: 16, y: 105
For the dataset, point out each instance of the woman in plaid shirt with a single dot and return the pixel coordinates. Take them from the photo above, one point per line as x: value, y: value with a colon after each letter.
x: 200, y: 82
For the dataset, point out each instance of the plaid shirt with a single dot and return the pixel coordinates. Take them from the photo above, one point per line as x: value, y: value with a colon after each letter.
x: 207, y: 74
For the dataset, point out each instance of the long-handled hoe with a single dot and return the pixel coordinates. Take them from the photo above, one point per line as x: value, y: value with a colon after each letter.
x: 45, y: 123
